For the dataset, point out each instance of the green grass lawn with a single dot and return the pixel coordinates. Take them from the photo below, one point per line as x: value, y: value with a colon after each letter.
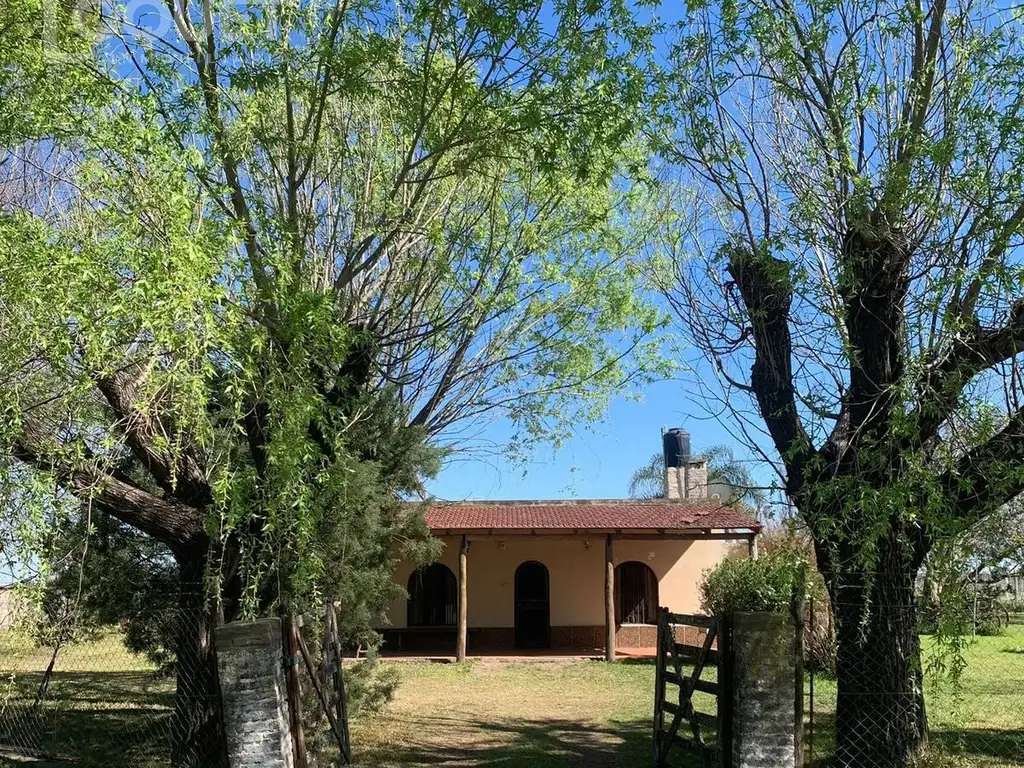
x: 519, y: 715
x: 977, y: 723
x: 490, y: 713
x: 107, y: 707
x: 103, y: 702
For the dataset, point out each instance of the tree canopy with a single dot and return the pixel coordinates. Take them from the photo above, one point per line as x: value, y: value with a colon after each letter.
x: 276, y: 259
x: 854, y: 199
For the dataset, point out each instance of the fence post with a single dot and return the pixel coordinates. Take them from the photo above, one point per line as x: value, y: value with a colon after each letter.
x: 763, y: 684
x: 339, y: 685
x: 659, y: 684
x: 726, y: 690
x: 292, y: 659
x: 798, y: 650
x: 810, y: 703
x: 253, y: 692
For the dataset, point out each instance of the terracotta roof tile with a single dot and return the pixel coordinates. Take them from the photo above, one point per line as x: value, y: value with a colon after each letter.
x: 630, y: 514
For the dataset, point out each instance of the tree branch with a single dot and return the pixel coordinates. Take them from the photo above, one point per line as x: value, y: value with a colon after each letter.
x: 180, y: 474
x: 764, y: 285
x: 172, y: 522
x: 984, y: 479
x: 944, y: 379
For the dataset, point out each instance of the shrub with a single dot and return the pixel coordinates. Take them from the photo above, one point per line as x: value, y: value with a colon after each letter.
x: 960, y: 604
x: 820, y: 643
x: 767, y: 584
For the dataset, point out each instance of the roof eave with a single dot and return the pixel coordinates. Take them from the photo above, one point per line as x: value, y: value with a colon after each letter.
x: 542, y: 531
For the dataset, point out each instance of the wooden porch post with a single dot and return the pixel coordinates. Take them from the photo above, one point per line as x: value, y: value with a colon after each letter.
x: 460, y: 642
x: 609, y: 600
x: 752, y: 546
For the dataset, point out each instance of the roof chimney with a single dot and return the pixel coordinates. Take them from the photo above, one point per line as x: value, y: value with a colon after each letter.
x: 685, y: 477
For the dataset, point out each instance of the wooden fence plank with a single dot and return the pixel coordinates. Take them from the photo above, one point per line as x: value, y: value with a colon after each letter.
x: 706, y: 686
x: 725, y: 699
x: 678, y: 704
x: 706, y: 720
x: 691, y: 653
x: 659, y: 688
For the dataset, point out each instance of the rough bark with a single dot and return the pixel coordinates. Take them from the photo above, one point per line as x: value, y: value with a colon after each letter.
x: 197, y: 733
x: 880, y: 715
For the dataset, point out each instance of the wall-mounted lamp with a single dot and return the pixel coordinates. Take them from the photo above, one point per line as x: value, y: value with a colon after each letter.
x: 586, y: 543
x: 501, y: 545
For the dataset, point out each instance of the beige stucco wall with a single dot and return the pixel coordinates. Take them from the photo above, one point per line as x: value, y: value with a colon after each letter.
x: 11, y: 609
x: 576, y: 573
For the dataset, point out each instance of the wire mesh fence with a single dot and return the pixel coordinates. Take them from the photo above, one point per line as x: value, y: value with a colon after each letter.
x: 103, y: 693
x: 95, y: 693
x: 966, y: 695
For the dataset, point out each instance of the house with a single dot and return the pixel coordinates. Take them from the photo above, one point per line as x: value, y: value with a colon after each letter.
x: 568, y: 574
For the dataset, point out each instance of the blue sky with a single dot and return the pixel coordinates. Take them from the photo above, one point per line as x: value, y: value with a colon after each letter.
x: 596, y: 463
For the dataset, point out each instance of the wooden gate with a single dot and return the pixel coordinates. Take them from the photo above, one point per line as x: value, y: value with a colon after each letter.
x: 688, y: 647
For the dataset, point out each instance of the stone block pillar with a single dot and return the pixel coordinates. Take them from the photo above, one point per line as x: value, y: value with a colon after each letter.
x: 250, y: 663
x: 767, y: 725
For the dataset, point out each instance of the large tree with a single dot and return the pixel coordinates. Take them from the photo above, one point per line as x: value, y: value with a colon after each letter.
x: 845, y: 249
x: 291, y: 247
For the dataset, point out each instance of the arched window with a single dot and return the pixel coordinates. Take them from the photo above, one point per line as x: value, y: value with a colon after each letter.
x: 636, y: 594
x: 432, y: 597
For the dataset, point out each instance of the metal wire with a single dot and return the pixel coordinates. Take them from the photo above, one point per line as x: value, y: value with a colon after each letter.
x: 82, y: 695
x: 973, y: 693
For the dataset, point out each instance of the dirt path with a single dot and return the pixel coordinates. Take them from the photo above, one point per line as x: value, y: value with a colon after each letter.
x: 541, y: 715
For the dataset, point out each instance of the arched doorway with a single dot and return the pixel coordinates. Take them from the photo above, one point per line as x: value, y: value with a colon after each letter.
x: 533, y: 620
x: 636, y: 594
x: 432, y: 597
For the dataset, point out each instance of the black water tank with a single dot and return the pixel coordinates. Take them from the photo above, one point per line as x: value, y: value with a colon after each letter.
x: 676, y: 442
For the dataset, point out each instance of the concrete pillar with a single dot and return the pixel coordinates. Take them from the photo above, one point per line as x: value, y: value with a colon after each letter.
x: 767, y: 708
x: 460, y: 640
x: 689, y: 481
x: 609, y: 600
x: 250, y: 664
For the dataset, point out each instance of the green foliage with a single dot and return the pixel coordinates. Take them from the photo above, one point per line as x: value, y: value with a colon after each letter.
x: 648, y: 481
x: 370, y: 685
x: 47, y: 68
x: 115, y: 576
x: 280, y: 275
x: 768, y: 584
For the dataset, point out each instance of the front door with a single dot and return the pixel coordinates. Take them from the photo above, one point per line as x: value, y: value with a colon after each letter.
x: 533, y: 628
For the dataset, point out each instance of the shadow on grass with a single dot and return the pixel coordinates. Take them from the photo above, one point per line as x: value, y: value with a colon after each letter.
x: 526, y: 743
x: 636, y: 661
x: 90, y: 717
x: 1005, y: 746
x: 993, y: 747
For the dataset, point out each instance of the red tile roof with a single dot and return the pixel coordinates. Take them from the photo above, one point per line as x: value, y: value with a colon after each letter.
x: 603, y: 514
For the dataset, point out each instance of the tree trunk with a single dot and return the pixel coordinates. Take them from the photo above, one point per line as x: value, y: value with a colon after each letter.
x: 197, y: 733
x: 880, y: 716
